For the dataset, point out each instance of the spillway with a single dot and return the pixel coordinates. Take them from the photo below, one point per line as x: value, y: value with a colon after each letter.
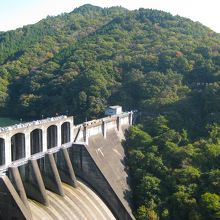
x: 79, y: 203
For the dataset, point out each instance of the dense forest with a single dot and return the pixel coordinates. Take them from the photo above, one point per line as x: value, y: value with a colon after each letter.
x: 166, y: 67
x: 174, y: 177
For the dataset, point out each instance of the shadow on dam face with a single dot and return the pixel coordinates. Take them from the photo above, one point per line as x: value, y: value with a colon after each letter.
x: 78, y: 203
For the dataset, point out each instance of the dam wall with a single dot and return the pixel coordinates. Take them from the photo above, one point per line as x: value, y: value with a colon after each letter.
x: 65, y: 154
x: 101, y: 164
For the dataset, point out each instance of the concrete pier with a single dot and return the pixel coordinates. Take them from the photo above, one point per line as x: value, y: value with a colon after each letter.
x: 50, y: 174
x: 11, y: 206
x: 65, y: 168
x: 15, y: 177
x: 33, y: 182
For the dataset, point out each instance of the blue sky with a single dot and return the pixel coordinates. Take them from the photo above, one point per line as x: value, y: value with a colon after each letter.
x: 16, y: 13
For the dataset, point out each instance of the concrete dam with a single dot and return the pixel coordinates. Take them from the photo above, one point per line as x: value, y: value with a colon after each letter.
x: 53, y: 169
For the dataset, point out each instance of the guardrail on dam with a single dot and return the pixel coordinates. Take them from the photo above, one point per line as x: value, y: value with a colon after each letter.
x: 36, y: 158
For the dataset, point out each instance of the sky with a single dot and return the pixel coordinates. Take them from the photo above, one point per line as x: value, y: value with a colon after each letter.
x: 17, y: 13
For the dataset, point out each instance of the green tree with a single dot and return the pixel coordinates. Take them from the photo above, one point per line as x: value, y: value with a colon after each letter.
x: 211, y: 203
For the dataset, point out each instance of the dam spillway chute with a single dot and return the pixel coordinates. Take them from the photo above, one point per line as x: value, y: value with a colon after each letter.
x: 79, y: 203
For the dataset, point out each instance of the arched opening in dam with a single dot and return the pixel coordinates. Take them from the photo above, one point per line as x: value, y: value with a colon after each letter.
x: 17, y: 146
x: 65, y: 132
x: 36, y: 141
x: 52, y: 136
x: 2, y: 151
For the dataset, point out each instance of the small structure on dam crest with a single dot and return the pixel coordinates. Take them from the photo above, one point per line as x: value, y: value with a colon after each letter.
x: 37, y: 158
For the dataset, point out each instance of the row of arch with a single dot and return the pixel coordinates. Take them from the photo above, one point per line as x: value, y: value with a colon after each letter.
x: 18, y: 147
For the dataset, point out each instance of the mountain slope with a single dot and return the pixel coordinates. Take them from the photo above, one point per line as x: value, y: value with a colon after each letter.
x: 26, y: 48
x: 143, y: 59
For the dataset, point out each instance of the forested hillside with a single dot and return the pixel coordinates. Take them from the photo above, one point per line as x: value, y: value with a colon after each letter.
x: 26, y: 49
x: 80, y: 62
x: 174, y: 177
x: 167, y: 67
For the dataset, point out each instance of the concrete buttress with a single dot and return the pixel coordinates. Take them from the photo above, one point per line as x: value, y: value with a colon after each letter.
x: 50, y: 174
x: 15, y: 177
x: 65, y: 168
x: 33, y: 182
x: 11, y: 206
